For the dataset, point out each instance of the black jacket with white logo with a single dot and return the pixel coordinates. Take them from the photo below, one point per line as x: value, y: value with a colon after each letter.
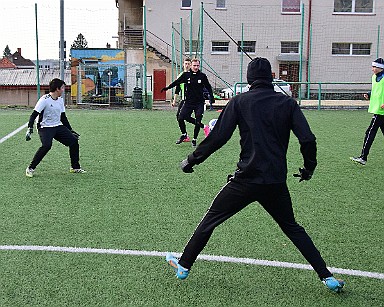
x: 194, y: 86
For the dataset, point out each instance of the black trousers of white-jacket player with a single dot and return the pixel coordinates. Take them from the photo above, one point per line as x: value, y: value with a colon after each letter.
x: 265, y: 120
x: 61, y: 134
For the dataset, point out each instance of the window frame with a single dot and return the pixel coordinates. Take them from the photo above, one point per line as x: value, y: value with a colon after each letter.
x: 195, y: 44
x: 291, y: 42
x: 218, y: 46
x: 353, y: 9
x: 245, y: 46
x: 221, y: 7
x: 352, y: 49
x: 186, y: 7
x: 290, y: 12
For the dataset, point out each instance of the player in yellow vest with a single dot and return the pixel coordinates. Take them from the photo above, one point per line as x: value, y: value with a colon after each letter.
x: 376, y: 107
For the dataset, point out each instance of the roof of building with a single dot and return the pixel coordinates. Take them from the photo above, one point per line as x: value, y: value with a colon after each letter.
x: 28, y: 76
x: 20, y: 61
x: 6, y: 64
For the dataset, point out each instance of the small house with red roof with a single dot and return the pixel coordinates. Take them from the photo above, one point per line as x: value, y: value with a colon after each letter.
x: 5, y: 63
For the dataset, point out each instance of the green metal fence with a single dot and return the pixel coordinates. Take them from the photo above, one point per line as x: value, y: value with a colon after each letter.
x: 324, y: 94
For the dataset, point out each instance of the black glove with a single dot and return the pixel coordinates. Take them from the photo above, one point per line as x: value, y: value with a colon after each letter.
x: 186, y: 167
x: 75, y: 134
x: 28, y: 134
x: 212, y: 100
x: 304, y: 174
x: 164, y: 89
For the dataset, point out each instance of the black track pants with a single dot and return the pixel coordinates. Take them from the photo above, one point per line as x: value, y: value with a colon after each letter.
x: 184, y: 114
x: 61, y: 134
x: 275, y: 199
x: 376, y: 123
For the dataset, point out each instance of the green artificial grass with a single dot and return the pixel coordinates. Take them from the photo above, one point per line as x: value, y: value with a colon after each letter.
x: 135, y: 197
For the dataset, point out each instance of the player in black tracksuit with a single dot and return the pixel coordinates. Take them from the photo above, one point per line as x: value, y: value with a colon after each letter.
x: 194, y: 82
x: 265, y: 120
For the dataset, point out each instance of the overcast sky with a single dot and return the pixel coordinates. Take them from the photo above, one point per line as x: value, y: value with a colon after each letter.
x: 95, y: 19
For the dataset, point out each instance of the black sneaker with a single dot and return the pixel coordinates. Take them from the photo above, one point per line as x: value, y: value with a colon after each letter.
x: 182, y: 138
x: 194, y: 143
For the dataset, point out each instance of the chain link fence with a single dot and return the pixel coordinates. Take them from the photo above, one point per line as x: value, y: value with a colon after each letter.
x: 101, y: 84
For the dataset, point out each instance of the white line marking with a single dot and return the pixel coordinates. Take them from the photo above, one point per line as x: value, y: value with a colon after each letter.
x: 201, y: 257
x: 13, y: 133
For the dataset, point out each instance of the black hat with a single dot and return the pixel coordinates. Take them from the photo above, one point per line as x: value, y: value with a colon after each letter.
x: 378, y: 63
x: 259, y: 68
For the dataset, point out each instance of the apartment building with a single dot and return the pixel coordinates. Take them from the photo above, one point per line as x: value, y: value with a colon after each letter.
x: 331, y: 41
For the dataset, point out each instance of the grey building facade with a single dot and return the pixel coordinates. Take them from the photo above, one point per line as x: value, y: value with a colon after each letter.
x: 312, y: 41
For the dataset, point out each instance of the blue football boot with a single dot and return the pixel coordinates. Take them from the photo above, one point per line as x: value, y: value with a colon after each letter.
x: 333, y: 284
x: 181, y: 273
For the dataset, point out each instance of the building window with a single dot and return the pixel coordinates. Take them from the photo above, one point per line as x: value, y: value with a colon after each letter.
x: 195, y: 45
x: 220, y: 46
x: 351, y: 49
x: 353, y: 6
x: 186, y: 4
x: 289, y: 47
x: 361, y: 49
x: 220, y: 4
x: 248, y: 46
x: 290, y: 6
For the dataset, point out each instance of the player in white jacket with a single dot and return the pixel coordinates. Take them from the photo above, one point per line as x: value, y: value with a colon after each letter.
x: 53, y: 124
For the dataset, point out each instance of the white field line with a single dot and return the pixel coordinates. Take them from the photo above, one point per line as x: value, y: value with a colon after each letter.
x: 2, y: 140
x: 201, y: 257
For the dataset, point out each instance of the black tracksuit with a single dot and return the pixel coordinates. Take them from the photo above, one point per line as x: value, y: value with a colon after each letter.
x: 194, y: 83
x: 194, y: 86
x: 265, y: 120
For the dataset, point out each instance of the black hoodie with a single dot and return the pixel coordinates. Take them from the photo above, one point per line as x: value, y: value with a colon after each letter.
x: 265, y: 120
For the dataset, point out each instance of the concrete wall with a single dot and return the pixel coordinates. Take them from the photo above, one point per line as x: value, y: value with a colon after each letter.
x: 21, y: 96
x: 18, y: 97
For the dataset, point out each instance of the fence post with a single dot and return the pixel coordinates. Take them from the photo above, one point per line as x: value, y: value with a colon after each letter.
x: 301, y: 51
x: 37, y: 58
x: 190, y: 34
x: 145, y: 53
x: 181, y: 45
x: 242, y: 52
x: 378, y: 41
x: 79, y: 92
x: 173, y: 61
x: 201, y: 35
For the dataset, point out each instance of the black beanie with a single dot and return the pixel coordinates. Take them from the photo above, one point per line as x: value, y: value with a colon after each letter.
x: 259, y: 68
x: 378, y: 63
